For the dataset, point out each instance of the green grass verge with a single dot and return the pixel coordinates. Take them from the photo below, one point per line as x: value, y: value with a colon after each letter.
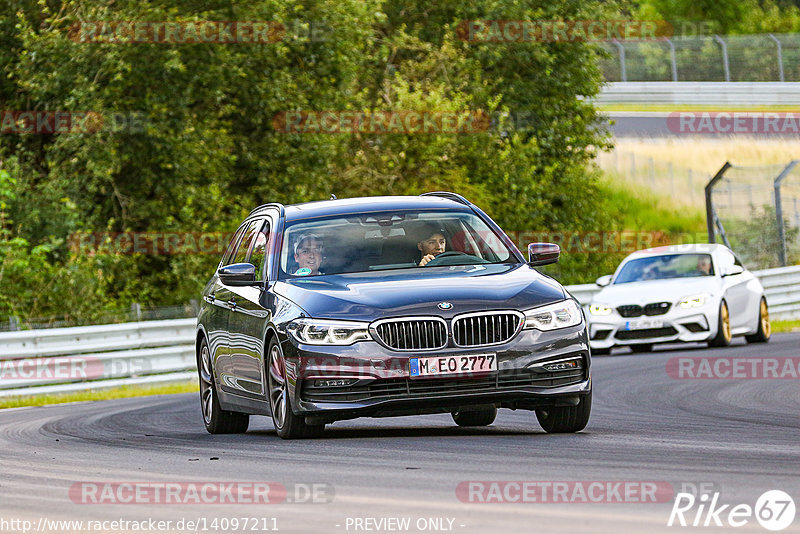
x: 785, y: 326
x: 686, y: 107
x: 99, y: 394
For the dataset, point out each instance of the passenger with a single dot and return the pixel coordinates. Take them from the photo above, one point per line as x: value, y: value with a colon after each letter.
x: 308, y: 255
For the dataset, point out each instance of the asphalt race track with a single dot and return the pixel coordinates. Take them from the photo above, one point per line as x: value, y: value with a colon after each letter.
x: 736, y: 437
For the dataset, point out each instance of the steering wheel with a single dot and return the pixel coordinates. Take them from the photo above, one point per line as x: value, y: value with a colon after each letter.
x: 448, y: 254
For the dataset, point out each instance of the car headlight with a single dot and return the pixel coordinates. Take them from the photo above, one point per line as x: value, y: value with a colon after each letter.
x: 553, y: 316
x: 327, y: 332
x: 693, y: 301
x: 600, y: 309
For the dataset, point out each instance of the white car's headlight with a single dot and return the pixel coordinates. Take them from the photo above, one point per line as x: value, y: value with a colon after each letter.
x: 553, y: 316
x: 693, y: 301
x: 327, y: 332
x: 600, y: 309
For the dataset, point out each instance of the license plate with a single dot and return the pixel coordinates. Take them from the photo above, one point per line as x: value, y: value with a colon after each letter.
x: 452, y: 365
x: 644, y: 324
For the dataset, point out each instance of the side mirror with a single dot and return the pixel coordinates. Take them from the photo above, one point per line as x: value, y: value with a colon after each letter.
x: 736, y: 269
x: 238, y: 274
x: 543, y: 253
x: 603, y: 281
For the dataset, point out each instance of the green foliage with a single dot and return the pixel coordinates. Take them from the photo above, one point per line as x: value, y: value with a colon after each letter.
x: 206, y: 151
x: 722, y: 16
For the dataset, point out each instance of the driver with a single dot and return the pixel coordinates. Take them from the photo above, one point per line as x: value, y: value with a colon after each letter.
x: 703, y: 266
x: 308, y: 254
x: 431, y: 243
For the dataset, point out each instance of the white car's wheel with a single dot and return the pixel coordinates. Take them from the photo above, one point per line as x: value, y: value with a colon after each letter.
x: 764, y: 331
x: 723, y: 337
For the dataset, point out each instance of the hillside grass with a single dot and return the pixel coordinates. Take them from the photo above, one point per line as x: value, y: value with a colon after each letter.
x: 100, y: 394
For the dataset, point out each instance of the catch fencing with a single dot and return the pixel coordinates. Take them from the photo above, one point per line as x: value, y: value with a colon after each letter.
x: 755, y: 211
x: 713, y: 58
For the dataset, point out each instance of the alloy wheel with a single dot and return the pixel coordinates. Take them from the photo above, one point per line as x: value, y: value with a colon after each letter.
x: 277, y: 386
x: 206, y: 384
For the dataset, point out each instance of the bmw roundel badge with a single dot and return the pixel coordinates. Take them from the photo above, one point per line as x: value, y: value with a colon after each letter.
x: 445, y: 306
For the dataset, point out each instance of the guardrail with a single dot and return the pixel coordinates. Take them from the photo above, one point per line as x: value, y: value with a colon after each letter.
x: 702, y: 93
x: 70, y: 359
x: 60, y: 360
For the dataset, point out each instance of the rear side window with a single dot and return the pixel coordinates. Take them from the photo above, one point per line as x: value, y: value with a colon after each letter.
x: 258, y: 256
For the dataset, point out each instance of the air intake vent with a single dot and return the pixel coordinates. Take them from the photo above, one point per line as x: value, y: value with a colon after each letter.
x: 423, y: 333
x: 490, y: 328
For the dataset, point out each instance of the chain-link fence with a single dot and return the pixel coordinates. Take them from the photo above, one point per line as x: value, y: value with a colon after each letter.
x: 756, y: 211
x: 732, y: 58
x: 135, y: 313
x: 683, y: 185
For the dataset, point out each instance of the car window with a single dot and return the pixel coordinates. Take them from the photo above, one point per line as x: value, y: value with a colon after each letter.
x: 665, y: 267
x: 258, y: 255
x: 228, y: 256
x: 247, y: 240
x: 389, y: 240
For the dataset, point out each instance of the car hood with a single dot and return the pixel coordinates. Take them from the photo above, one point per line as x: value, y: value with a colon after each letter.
x: 369, y: 296
x: 655, y: 291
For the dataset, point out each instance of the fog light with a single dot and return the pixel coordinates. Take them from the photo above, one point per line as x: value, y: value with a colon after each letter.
x: 334, y: 382
x: 563, y: 365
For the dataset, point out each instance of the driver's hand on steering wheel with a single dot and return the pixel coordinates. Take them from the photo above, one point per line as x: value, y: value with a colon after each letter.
x: 425, y: 259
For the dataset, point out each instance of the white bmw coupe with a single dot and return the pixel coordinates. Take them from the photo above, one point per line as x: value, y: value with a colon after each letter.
x: 690, y: 293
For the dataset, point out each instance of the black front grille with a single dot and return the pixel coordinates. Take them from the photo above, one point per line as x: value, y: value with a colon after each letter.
x: 657, y: 308
x: 442, y: 387
x: 485, y: 328
x: 646, y: 333
x: 630, y: 310
x: 413, y: 334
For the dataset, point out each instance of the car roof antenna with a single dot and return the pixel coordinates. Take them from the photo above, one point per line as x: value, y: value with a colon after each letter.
x: 333, y: 197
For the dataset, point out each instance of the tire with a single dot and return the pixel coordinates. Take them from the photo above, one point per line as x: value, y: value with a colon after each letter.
x: 723, y: 337
x: 217, y: 420
x: 287, y: 424
x: 478, y: 416
x: 601, y: 352
x: 642, y: 347
x: 563, y: 419
x: 764, y: 331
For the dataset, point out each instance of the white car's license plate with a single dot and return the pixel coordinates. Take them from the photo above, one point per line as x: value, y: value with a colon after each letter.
x: 463, y: 364
x: 642, y: 324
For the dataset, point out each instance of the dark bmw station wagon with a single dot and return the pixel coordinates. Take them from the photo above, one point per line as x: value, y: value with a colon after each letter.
x: 383, y: 306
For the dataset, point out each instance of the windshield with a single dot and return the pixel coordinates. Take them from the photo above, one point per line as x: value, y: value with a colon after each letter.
x: 389, y: 240
x: 663, y: 267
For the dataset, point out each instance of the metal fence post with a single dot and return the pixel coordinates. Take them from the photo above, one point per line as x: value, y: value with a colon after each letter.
x: 623, y: 73
x: 136, y: 308
x: 709, y: 204
x: 779, y: 210
x: 780, y: 56
x: 673, y: 60
x: 725, y: 63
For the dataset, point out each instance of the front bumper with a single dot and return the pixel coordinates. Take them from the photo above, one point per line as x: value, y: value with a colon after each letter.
x: 381, y: 385
x: 677, y: 325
